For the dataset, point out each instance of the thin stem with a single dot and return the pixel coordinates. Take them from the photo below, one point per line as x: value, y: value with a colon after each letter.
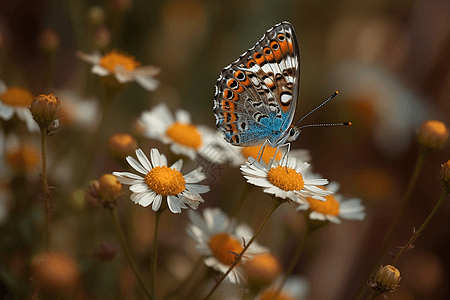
x: 373, y: 295
x: 119, y: 232
x: 155, y: 252
x: 294, y: 260
x: 387, y: 241
x: 275, y: 204
x: 416, y: 234
x: 45, y: 189
x: 241, y: 200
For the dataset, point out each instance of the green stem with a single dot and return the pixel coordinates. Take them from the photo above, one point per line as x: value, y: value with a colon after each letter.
x: 275, y: 204
x: 373, y: 295
x: 119, y: 232
x: 294, y: 260
x: 155, y: 253
x: 45, y: 189
x: 387, y: 241
x: 416, y: 234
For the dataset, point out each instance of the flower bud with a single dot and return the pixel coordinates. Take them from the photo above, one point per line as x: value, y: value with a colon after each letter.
x: 96, y: 16
x: 49, y: 40
x: 386, y: 279
x: 445, y: 176
x: 106, y: 251
x: 102, y: 38
x: 109, y: 187
x: 122, y: 145
x: 432, y: 134
x: 45, y: 109
x: 262, y: 271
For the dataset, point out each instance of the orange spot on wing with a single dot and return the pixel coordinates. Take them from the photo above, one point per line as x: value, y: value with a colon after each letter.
x: 228, y: 105
x: 269, y: 56
x: 259, y: 58
x: 277, y: 53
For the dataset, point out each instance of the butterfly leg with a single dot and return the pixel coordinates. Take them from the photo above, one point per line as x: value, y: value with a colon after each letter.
x: 261, y: 150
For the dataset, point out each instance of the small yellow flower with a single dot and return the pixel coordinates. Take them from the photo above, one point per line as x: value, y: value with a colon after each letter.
x: 109, y: 187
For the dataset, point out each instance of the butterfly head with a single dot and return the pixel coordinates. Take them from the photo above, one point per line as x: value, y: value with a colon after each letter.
x: 293, y: 134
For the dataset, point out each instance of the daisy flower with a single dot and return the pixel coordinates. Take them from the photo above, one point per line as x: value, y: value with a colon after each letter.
x: 123, y: 67
x: 184, y: 137
x: 334, y: 207
x: 285, y: 179
x: 17, y: 100
x: 295, y: 288
x: 218, y: 238
x: 161, y: 181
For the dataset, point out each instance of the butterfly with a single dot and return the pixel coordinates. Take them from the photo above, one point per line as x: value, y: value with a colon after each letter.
x: 256, y: 95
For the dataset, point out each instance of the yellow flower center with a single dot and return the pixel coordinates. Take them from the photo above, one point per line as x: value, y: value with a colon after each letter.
x: 110, y: 60
x: 328, y: 207
x: 223, y: 246
x: 16, y: 96
x: 185, y: 134
x: 268, y: 153
x: 285, y: 178
x: 270, y: 295
x: 165, y: 181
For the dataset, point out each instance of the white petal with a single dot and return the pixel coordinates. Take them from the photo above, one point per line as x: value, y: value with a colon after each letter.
x: 99, y: 70
x: 143, y: 160
x: 139, y: 188
x: 197, y: 188
x: 127, y: 175
x: 137, y: 166
x: 3, y: 87
x: 174, y: 204
x: 314, y: 215
x: 6, y: 111
x: 148, y: 83
x: 177, y: 165
x: 333, y: 219
x: 156, y: 158
x: 182, y: 116
x: 195, y: 176
x: 147, y: 199
x: 157, y: 202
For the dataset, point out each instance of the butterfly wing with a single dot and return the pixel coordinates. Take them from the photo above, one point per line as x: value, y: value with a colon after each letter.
x: 256, y: 95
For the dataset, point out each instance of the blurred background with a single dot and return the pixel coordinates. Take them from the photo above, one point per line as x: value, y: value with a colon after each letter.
x: 388, y: 59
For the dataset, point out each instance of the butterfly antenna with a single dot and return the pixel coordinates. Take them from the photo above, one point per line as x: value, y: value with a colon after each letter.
x: 326, y: 125
x: 323, y: 103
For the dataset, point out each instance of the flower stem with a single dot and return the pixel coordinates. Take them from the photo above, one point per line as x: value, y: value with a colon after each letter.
x: 155, y: 252
x: 119, y: 232
x: 387, y: 242
x: 275, y: 204
x: 373, y: 295
x: 416, y: 234
x: 294, y: 260
x: 241, y: 200
x: 45, y: 190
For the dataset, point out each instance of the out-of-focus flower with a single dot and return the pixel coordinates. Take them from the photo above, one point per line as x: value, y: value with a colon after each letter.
x: 262, y: 271
x: 102, y: 38
x: 96, y: 16
x: 23, y: 158
x: 432, y: 134
x: 386, y: 279
x: 55, y: 272
x: 284, y: 179
x: 220, y: 239
x: 295, y: 288
x: 122, y: 68
x: 269, y: 152
x: 45, y: 109
x: 49, y: 41
x: 109, y: 187
x: 161, y: 181
x: 334, y: 207
x: 184, y: 137
x: 17, y: 100
x: 77, y: 111
x: 122, y: 5
x: 122, y: 145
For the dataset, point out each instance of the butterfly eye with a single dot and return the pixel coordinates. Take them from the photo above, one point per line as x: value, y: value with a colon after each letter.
x: 239, y: 75
x: 292, y: 132
x: 281, y: 37
x: 267, y: 51
x: 275, y: 46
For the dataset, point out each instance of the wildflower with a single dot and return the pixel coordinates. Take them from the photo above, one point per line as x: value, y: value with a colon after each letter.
x: 295, y: 288
x: 77, y: 111
x: 262, y: 270
x: 284, y: 179
x: 432, y: 134
x: 220, y: 240
x: 184, y: 137
x: 122, y: 145
x: 161, y: 181
x: 16, y: 100
x: 45, y: 109
x: 109, y: 187
x: 386, y: 279
x: 23, y: 158
x: 334, y: 207
x: 122, y: 68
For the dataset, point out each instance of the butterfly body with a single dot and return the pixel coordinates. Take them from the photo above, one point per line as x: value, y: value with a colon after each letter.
x: 256, y: 96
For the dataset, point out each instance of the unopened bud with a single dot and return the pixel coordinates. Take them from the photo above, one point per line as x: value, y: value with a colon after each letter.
x: 386, y: 279
x: 96, y: 16
x: 262, y: 271
x: 45, y: 109
x: 109, y: 187
x: 432, y: 134
x: 102, y: 38
x: 122, y: 145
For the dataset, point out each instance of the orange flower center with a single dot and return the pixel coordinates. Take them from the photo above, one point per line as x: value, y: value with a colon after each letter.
x: 268, y: 153
x: 24, y: 158
x: 165, y: 181
x: 112, y: 59
x: 223, y: 246
x: 285, y: 178
x: 328, y: 207
x: 16, y: 96
x: 185, y: 134
x: 270, y: 295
